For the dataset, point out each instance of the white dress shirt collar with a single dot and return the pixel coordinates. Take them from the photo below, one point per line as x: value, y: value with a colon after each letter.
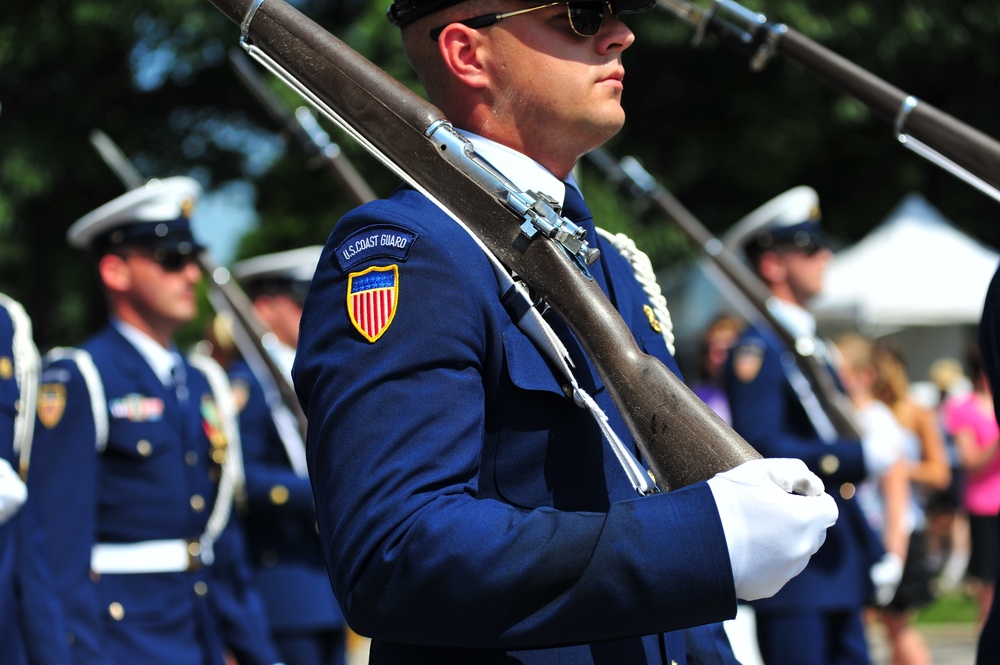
x: 797, y: 320
x: 524, y: 172
x: 160, y: 359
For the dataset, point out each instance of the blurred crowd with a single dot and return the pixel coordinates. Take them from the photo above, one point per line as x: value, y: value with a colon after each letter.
x: 936, y: 507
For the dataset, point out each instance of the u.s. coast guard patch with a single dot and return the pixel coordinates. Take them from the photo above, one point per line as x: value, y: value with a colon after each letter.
x: 372, y: 295
x: 51, y: 404
x: 384, y: 241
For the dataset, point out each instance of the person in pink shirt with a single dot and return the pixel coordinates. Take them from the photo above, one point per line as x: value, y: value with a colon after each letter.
x: 973, y: 424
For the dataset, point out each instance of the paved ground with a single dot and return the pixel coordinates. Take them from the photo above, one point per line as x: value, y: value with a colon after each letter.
x: 951, y: 644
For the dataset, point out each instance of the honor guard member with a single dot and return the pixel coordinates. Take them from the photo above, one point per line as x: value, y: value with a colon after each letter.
x: 288, y: 567
x: 816, y: 617
x: 31, y: 624
x: 988, y: 651
x: 469, y: 510
x: 138, y: 457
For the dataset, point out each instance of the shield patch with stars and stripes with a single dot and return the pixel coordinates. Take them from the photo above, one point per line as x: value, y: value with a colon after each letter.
x: 371, y: 299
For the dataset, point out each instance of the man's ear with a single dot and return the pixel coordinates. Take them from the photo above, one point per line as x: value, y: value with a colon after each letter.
x: 460, y: 47
x: 771, y: 268
x: 114, y: 272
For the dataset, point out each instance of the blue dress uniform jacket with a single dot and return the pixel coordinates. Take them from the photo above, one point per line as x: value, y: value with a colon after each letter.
x: 988, y: 652
x: 280, y: 522
x: 768, y: 414
x: 12, y: 647
x: 468, y: 511
x: 154, y: 479
x: 31, y: 623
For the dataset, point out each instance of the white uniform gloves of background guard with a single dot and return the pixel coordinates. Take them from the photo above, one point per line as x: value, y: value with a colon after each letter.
x: 775, y: 515
x: 13, y: 493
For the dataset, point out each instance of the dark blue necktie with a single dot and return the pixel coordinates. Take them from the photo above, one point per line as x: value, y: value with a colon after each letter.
x: 576, y: 210
x: 179, y: 375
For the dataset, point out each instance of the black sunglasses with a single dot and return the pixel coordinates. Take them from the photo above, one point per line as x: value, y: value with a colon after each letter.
x: 585, y: 17
x: 170, y: 260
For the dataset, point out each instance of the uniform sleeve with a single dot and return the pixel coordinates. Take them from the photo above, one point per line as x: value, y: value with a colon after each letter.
x: 989, y: 338
x: 416, y: 555
x: 988, y: 650
x: 39, y: 606
x: 760, y: 400
x: 62, y: 486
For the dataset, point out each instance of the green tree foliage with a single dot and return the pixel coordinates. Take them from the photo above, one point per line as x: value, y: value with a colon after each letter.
x: 154, y: 75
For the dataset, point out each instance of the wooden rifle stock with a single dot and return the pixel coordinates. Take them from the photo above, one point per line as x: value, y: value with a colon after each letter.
x: 833, y: 402
x: 681, y: 438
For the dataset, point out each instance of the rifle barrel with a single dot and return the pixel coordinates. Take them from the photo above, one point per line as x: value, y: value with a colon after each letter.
x: 968, y: 147
x: 960, y: 149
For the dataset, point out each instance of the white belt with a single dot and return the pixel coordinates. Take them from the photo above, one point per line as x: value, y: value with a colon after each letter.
x: 151, y: 556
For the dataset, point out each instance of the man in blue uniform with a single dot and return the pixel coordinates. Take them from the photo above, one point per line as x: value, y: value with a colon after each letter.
x: 288, y: 567
x: 469, y: 510
x: 136, y: 457
x: 989, y: 346
x: 816, y: 617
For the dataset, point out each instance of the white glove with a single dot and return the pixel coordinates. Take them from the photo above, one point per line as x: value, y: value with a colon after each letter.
x: 886, y: 576
x: 771, y: 533
x: 13, y: 492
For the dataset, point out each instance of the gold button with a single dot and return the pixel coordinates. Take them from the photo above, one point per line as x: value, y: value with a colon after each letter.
x: 144, y: 447
x: 116, y: 611
x: 200, y: 588
x: 829, y: 464
x: 847, y: 491
x: 194, y: 549
x: 279, y: 495
x: 197, y: 503
x: 219, y: 455
x: 191, y: 457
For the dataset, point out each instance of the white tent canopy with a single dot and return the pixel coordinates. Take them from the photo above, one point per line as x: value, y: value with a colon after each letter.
x: 915, y: 269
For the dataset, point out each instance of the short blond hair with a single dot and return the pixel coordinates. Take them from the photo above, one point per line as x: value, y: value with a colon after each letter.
x: 422, y: 53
